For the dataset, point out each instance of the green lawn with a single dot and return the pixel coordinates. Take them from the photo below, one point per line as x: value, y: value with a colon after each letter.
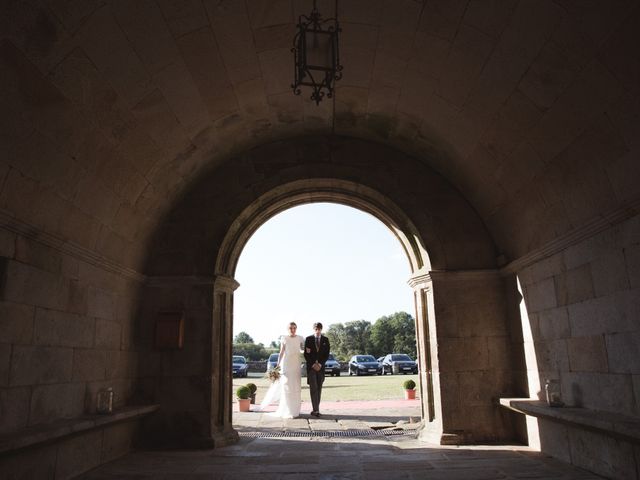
x: 343, y: 388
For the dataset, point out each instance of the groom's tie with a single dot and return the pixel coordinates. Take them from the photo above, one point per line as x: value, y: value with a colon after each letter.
x: 317, y: 343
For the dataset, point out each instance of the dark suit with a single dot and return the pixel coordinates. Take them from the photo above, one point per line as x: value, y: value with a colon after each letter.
x: 312, y: 354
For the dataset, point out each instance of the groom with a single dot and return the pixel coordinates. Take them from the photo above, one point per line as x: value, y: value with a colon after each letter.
x: 316, y: 353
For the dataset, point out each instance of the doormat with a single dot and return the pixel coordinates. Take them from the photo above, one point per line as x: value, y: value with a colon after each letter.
x: 329, y: 433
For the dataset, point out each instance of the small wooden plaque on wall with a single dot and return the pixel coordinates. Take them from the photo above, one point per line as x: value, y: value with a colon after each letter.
x: 170, y: 330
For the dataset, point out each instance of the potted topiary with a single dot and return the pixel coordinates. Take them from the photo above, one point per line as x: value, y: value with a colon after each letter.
x: 244, y: 403
x: 409, y: 390
x: 253, y: 388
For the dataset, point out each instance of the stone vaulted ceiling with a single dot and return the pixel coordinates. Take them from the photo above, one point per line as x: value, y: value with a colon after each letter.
x: 111, y: 108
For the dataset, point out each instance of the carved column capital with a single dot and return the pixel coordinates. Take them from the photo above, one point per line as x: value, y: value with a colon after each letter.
x: 424, y: 279
x: 225, y: 283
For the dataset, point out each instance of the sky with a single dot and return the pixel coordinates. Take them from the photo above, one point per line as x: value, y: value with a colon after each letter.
x: 319, y: 262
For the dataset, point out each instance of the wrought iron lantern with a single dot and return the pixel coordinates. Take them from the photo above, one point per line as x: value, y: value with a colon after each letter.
x: 316, y: 54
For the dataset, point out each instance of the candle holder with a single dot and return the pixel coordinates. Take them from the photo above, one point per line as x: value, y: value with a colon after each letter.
x: 552, y: 390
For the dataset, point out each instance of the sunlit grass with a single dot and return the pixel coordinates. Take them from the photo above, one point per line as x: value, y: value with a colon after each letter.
x: 343, y: 388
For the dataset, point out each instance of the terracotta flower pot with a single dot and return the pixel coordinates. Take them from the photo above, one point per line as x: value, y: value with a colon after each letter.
x: 244, y: 404
x: 410, y: 394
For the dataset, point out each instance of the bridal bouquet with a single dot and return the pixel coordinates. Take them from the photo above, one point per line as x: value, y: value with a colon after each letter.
x: 273, y: 374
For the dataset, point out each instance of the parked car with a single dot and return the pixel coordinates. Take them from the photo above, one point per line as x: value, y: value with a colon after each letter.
x: 240, y: 366
x: 332, y: 367
x: 395, y: 363
x: 272, y: 361
x: 364, y: 365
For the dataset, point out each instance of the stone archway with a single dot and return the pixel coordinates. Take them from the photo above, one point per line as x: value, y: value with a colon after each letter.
x: 462, y: 326
x: 291, y: 195
x: 321, y: 190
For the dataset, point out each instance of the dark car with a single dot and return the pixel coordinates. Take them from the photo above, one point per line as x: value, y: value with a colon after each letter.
x: 364, y: 365
x: 332, y: 367
x: 240, y: 366
x: 272, y: 361
x: 395, y: 363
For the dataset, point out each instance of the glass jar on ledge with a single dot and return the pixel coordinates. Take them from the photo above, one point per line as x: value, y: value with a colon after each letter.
x: 552, y: 390
x: 104, y: 401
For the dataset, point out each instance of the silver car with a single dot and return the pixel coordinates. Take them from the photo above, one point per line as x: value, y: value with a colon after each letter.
x: 332, y: 367
x: 272, y: 361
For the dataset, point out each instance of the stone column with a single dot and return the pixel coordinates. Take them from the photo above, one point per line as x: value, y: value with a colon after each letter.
x: 427, y: 356
x: 464, y: 342
x: 222, y: 430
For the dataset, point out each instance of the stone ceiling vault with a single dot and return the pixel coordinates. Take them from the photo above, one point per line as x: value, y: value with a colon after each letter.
x: 529, y: 108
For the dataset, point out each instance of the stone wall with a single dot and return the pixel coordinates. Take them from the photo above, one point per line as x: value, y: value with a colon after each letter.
x: 475, y: 360
x: 188, y: 383
x: 66, y: 332
x: 71, y: 456
x: 583, y: 305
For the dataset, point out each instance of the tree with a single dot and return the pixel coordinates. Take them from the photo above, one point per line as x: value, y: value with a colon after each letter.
x: 251, y: 351
x: 357, y: 335
x: 382, y: 337
x: 349, y: 339
x: 275, y: 344
x: 389, y: 334
x: 243, y: 337
x: 336, y: 335
x: 394, y: 334
x: 404, y: 340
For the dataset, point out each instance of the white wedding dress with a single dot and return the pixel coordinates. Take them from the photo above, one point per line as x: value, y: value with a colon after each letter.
x: 287, y: 389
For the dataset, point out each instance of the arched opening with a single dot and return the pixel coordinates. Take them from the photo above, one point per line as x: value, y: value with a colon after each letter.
x: 331, y: 263
x: 317, y: 191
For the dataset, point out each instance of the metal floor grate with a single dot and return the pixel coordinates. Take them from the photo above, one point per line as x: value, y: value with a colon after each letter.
x: 327, y: 433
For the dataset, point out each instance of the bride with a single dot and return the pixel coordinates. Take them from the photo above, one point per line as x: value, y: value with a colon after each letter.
x: 287, y: 388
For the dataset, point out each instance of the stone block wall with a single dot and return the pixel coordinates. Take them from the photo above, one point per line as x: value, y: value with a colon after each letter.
x: 66, y: 331
x: 180, y: 380
x: 583, y: 305
x: 475, y: 355
x: 70, y: 456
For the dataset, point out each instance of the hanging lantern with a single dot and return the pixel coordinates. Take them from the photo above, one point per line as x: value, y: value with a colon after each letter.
x: 316, y: 55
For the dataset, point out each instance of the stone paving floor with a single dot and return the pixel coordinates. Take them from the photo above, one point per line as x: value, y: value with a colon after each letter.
x: 338, y: 458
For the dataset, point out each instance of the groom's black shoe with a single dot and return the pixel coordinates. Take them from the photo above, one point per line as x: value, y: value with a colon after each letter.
x: 315, y: 414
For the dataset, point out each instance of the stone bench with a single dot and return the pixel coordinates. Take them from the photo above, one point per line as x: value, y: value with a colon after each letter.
x: 54, y: 431
x: 624, y: 427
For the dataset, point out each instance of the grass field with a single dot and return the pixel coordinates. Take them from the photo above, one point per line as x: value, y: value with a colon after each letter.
x: 343, y: 388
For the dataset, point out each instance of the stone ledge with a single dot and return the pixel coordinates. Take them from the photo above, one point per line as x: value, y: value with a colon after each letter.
x: 45, y: 433
x: 626, y: 427
x: 13, y: 224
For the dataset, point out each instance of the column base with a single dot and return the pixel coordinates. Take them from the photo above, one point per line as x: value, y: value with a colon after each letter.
x: 225, y: 438
x: 437, y: 437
